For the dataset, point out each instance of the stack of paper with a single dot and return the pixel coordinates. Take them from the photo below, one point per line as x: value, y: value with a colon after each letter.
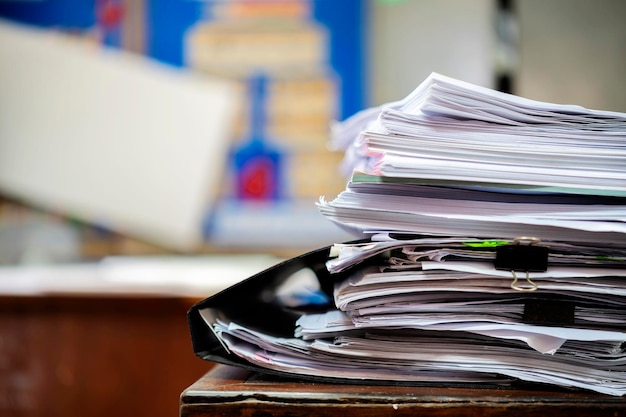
x: 451, y: 130
x: 457, y: 159
x: 495, y: 250
x: 435, y: 310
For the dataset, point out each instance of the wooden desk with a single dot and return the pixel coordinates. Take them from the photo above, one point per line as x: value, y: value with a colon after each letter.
x: 94, y: 356
x: 105, y: 338
x: 229, y: 391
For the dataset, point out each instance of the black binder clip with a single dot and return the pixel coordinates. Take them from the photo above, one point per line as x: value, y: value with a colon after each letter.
x: 523, y: 255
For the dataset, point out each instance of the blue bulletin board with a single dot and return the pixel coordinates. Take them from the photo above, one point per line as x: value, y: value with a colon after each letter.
x: 166, y: 22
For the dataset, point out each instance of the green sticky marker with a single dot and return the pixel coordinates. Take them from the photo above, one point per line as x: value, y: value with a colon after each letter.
x: 609, y: 258
x: 486, y: 243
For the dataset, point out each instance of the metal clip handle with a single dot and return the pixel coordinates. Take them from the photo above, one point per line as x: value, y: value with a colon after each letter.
x: 516, y: 287
x: 529, y: 240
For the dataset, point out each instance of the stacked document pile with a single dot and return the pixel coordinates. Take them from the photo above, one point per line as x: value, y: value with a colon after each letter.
x: 493, y: 250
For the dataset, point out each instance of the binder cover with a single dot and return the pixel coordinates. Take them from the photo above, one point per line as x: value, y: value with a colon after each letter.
x: 250, y: 303
x: 247, y: 303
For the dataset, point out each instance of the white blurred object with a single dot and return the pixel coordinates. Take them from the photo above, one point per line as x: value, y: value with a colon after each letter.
x: 184, y: 276
x: 111, y: 138
x: 38, y: 242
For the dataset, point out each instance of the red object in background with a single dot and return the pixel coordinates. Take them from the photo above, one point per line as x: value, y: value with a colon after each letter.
x: 256, y: 179
x: 109, y: 14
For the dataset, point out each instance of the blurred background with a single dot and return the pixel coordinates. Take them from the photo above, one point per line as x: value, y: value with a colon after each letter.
x: 151, y: 126
x: 153, y: 152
